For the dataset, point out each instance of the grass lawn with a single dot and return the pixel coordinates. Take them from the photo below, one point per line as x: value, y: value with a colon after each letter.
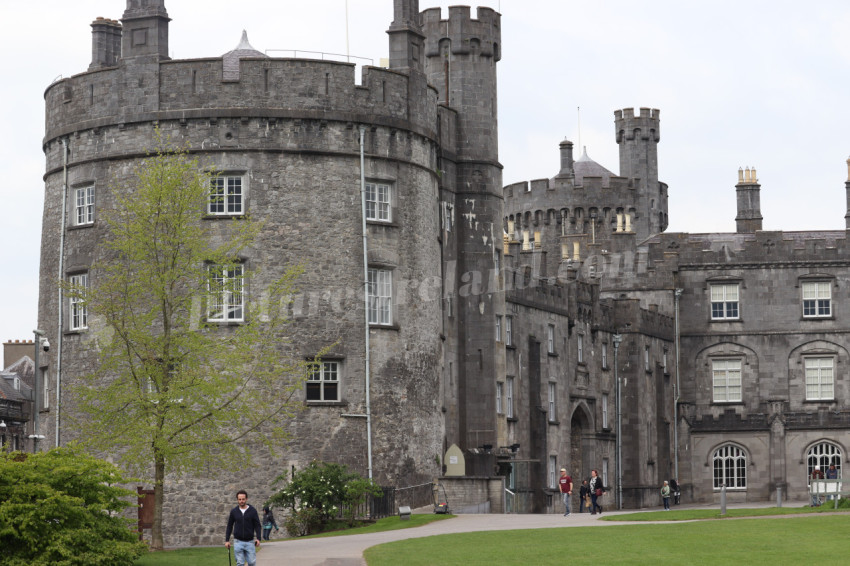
x: 814, y: 539
x: 698, y: 514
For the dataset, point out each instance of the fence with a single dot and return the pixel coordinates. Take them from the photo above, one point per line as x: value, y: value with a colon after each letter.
x: 821, y: 490
x: 391, y: 499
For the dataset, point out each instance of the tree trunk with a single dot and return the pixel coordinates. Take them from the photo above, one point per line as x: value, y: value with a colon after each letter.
x: 158, y: 485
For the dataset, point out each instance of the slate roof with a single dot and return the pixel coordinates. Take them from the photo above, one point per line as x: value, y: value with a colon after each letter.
x: 230, y: 65
x: 584, y: 166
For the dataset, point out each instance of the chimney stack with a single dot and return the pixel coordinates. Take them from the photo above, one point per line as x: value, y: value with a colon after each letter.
x: 105, y: 43
x: 749, y: 216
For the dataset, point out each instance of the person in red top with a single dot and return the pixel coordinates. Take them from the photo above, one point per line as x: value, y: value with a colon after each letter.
x: 565, y: 485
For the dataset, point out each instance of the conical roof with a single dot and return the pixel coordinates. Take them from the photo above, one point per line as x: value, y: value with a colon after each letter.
x: 231, y: 58
x: 584, y: 166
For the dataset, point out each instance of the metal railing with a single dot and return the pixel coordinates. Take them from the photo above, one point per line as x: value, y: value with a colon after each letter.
x: 322, y: 55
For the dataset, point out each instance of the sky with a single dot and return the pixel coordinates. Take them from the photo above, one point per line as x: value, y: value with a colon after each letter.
x: 747, y: 83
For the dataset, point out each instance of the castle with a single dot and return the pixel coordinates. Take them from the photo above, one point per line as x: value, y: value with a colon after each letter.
x: 526, y: 328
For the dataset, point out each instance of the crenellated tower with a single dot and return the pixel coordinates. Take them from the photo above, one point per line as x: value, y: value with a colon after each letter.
x: 460, y: 62
x: 638, y: 137
x: 406, y: 39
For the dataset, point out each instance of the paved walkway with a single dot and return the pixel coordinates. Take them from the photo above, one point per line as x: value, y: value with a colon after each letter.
x: 348, y: 550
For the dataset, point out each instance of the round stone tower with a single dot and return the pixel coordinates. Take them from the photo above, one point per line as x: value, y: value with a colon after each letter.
x: 289, y: 133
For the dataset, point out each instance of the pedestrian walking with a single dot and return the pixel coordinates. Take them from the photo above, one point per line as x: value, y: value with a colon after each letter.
x: 565, y: 485
x: 244, y: 523
x: 596, y: 491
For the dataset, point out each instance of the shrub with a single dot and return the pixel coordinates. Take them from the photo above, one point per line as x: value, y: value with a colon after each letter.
x: 317, y: 493
x: 62, y: 508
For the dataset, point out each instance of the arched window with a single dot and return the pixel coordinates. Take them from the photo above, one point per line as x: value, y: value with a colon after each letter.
x: 730, y: 468
x: 823, y: 454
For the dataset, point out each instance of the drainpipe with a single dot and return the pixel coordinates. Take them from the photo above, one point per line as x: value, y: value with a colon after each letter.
x: 366, y: 300
x: 616, y: 339
x: 676, y: 294
x: 61, y: 318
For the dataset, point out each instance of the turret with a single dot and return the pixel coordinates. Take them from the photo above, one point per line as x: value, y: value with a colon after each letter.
x: 145, y: 31
x: 406, y: 40
x: 749, y: 216
x: 105, y: 43
x: 638, y: 138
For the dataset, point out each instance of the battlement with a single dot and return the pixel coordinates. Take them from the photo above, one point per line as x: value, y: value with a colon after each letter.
x: 646, y: 125
x: 482, y: 36
x: 269, y: 87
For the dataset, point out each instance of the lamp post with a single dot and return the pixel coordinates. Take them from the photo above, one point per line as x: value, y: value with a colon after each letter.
x: 616, y: 339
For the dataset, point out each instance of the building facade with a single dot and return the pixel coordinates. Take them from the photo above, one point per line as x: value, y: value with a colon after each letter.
x: 536, y: 326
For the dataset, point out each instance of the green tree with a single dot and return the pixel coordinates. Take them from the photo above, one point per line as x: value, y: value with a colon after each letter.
x: 61, y: 508
x: 176, y: 390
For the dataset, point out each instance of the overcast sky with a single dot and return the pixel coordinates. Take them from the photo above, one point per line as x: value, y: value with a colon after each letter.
x: 739, y: 83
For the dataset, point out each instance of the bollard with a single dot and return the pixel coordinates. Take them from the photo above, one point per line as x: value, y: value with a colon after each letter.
x: 723, y: 500
x: 779, y: 496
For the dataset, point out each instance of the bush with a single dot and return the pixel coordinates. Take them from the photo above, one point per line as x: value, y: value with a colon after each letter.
x: 62, y: 508
x: 317, y: 493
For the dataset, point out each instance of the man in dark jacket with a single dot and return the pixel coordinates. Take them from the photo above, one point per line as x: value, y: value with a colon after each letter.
x: 244, y: 524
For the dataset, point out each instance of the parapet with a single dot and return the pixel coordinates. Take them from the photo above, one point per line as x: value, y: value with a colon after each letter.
x: 482, y: 35
x: 645, y: 126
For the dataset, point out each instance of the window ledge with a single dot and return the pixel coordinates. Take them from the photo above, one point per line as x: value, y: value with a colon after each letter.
x: 552, y: 354
x: 390, y: 224
x: 512, y: 419
x: 225, y: 322
x: 741, y: 403
x: 75, y: 332
x: 223, y: 216
x: 510, y: 347
x: 726, y: 320
x: 374, y: 326
x: 80, y: 226
x: 815, y: 318
x: 315, y: 403
x: 555, y: 423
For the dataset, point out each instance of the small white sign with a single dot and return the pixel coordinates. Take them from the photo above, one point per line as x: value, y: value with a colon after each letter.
x: 452, y: 459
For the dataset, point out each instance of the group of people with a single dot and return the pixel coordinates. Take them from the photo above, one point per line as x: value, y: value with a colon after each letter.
x: 590, y: 492
x: 244, y: 524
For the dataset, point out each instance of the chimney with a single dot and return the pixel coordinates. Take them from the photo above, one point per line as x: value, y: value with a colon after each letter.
x: 847, y: 189
x: 749, y: 204
x: 105, y: 43
x: 566, y: 159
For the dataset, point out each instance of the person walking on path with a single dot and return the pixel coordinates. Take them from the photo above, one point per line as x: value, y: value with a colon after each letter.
x: 595, y: 492
x: 565, y: 485
x: 584, y: 497
x: 268, y: 522
x: 244, y: 523
x: 665, y: 495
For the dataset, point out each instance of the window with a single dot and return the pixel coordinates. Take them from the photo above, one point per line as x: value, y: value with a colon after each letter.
x: 724, y: 301
x: 380, y: 290
x: 226, y: 297
x: 499, y: 393
x: 226, y: 195
x: 550, y: 339
x: 323, y: 382
x: 726, y: 379
x: 552, y: 414
x: 378, y: 202
x: 580, y: 348
x: 77, y: 303
x: 498, y: 328
x: 509, y: 330
x: 646, y: 358
x: 817, y: 299
x: 604, y: 355
x: 509, y: 398
x: 448, y: 213
x: 819, y: 379
x: 605, y: 410
x: 664, y: 361
x: 605, y: 471
x: 730, y: 468
x: 84, y: 205
x: 824, y: 455
x: 45, y: 395
x: 553, y: 472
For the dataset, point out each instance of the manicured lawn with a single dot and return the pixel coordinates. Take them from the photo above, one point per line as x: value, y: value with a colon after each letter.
x: 386, y: 524
x: 699, y: 514
x: 815, y: 539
